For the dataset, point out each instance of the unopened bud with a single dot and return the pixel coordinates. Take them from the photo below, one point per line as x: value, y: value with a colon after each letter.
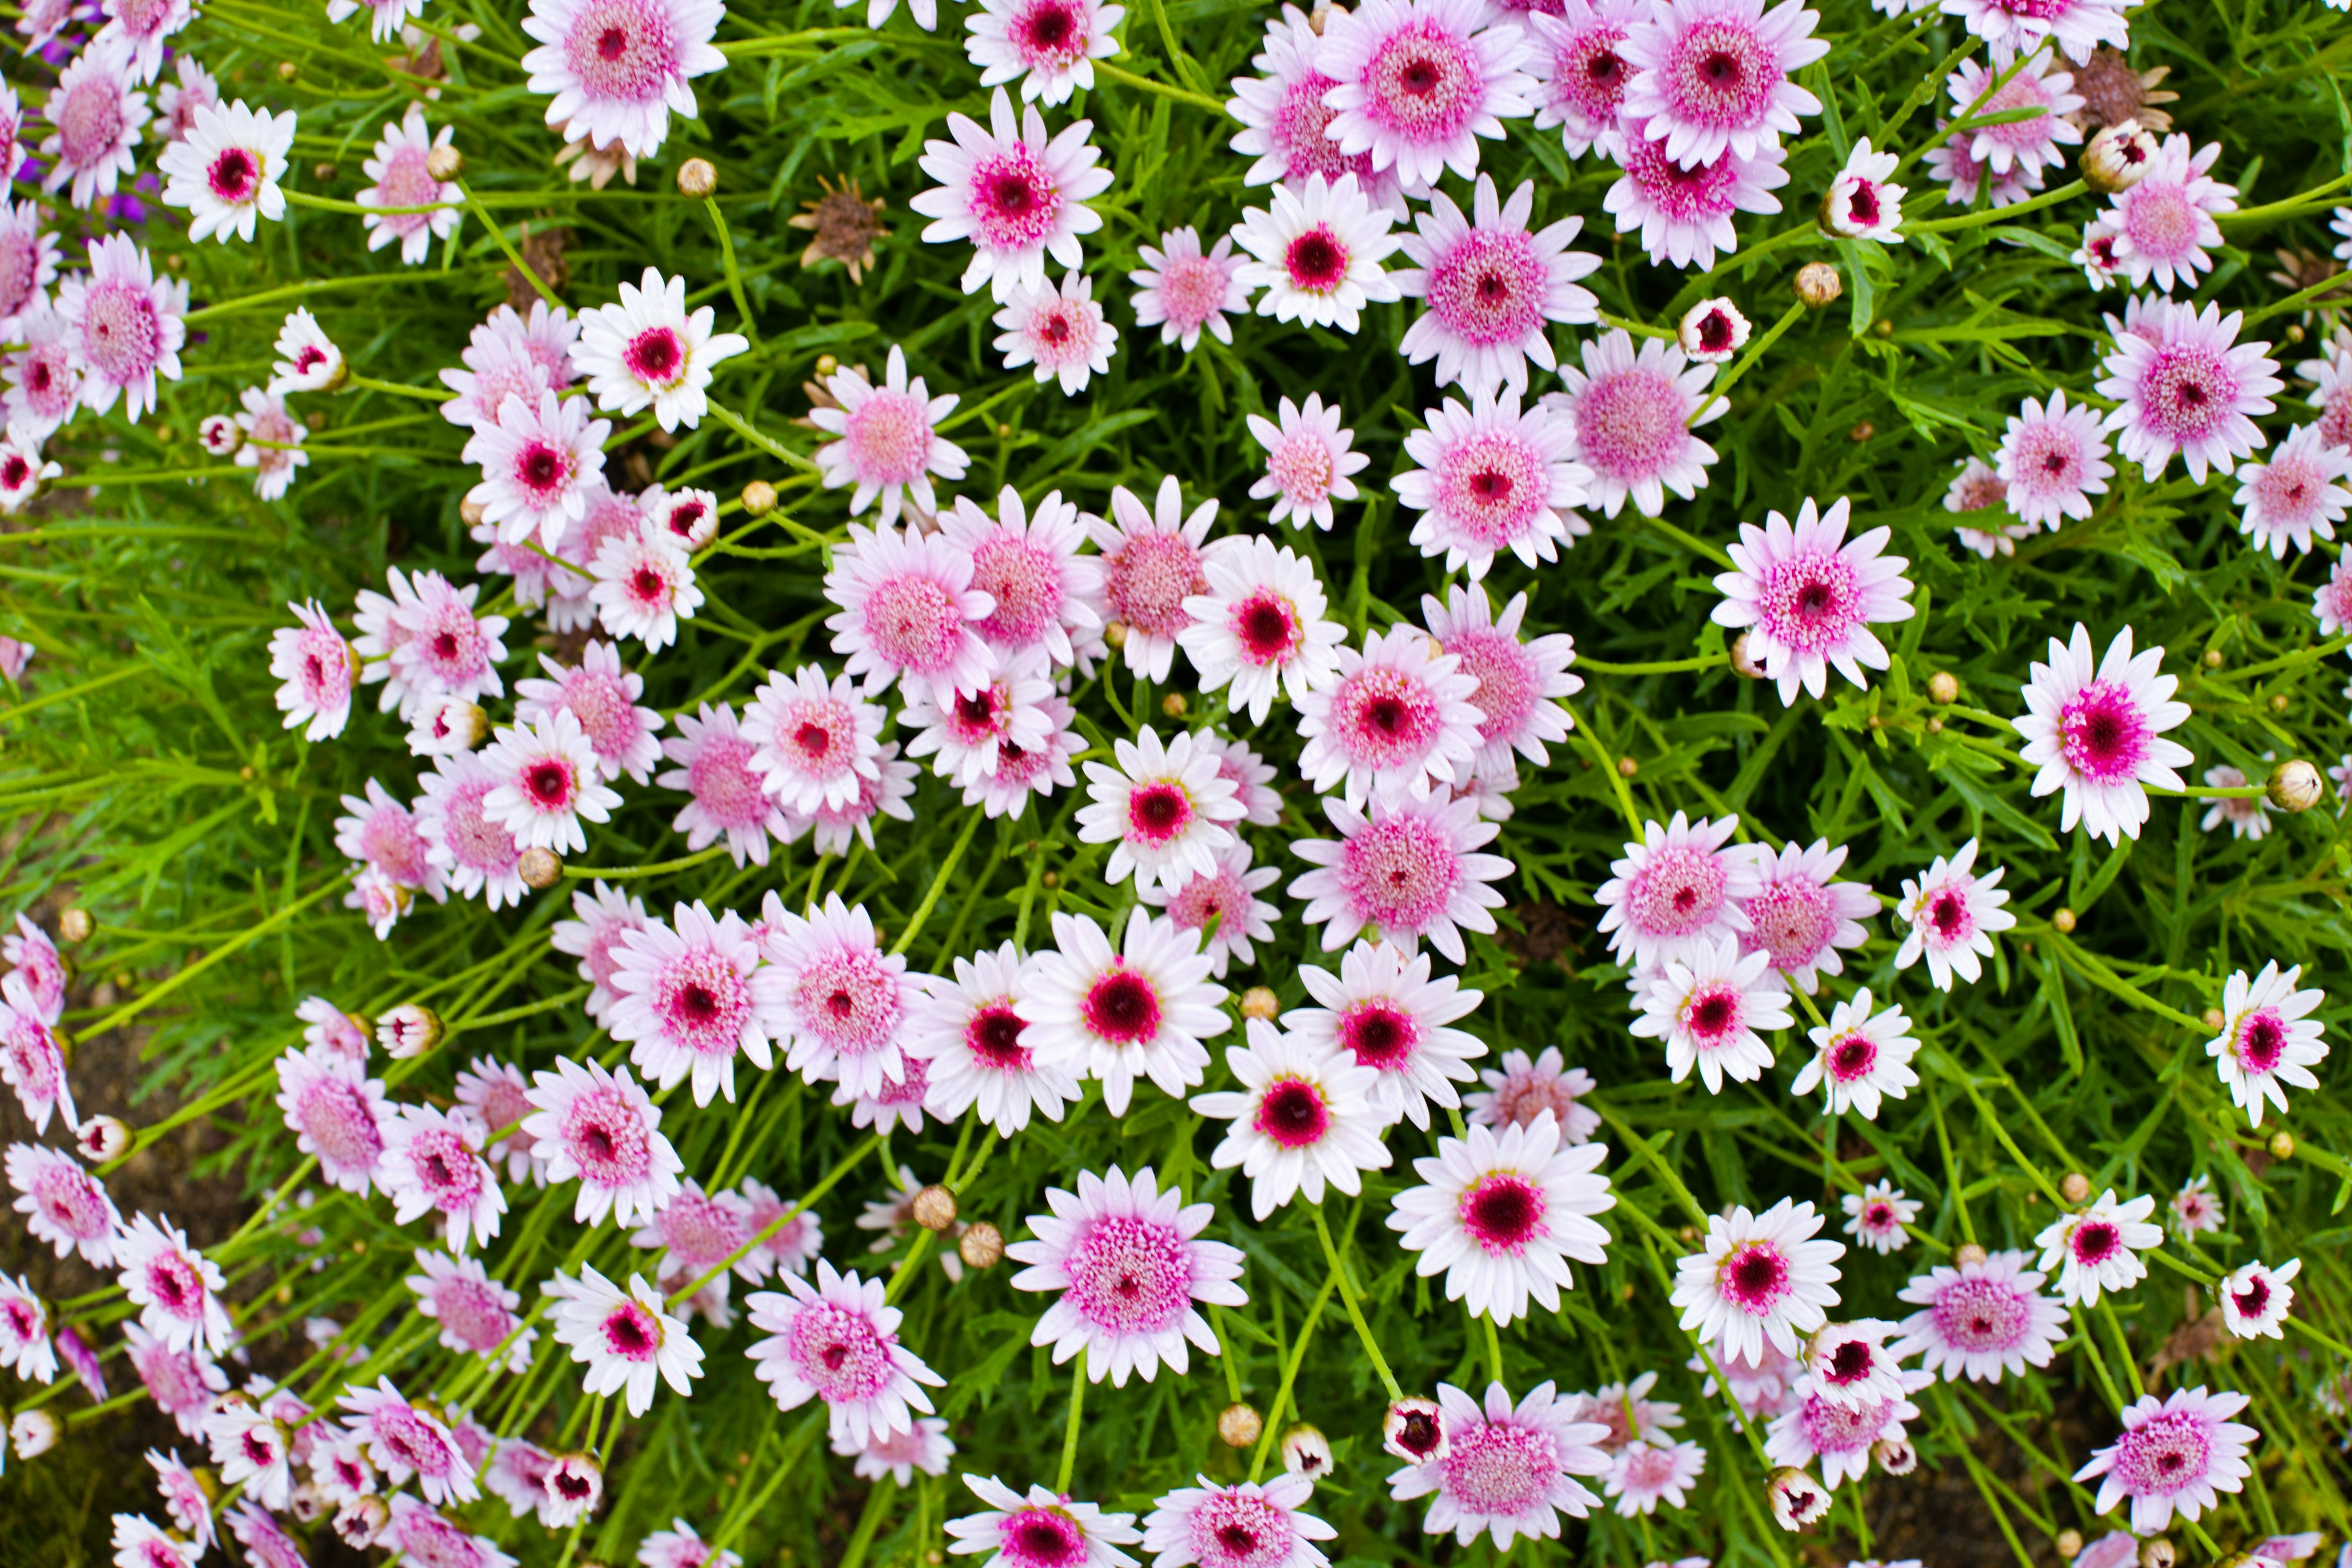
x: 1239, y: 1426
x: 360, y: 1521
x: 1115, y: 634
x: 1414, y: 1430
x: 447, y: 725
x: 470, y: 512
x: 1260, y: 1002
x: 981, y: 1246
x: 1943, y: 689
x: 1306, y: 1452
x: 826, y: 365
x: 1895, y: 1456
x: 759, y: 497
x: 76, y: 925
x: 2116, y: 157
x: 2062, y: 920
x: 102, y: 1138
x: 2281, y: 701
x: 2294, y: 785
x: 2069, y: 1543
x: 410, y: 1030
x: 1173, y: 705
x: 2074, y: 1187
x: 305, y: 1503
x: 2214, y: 1020
x: 1796, y: 1498
x: 1627, y: 767
x: 220, y: 436
x: 444, y: 162
x: 34, y: 1432
x: 1713, y: 331
x: 1741, y: 663
x: 935, y: 1207
x: 690, y: 517
x: 540, y: 868
x: 1967, y: 1253
x: 2157, y: 1553
x: 1818, y: 284
x: 288, y: 70
x: 572, y: 1486
x: 696, y: 178
x: 2282, y: 1144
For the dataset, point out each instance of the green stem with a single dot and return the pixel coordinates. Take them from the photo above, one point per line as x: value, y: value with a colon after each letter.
x: 734, y: 273
x: 658, y: 868
x: 1355, y: 1311
x: 971, y: 820
x: 514, y: 257
x: 1070, y: 1432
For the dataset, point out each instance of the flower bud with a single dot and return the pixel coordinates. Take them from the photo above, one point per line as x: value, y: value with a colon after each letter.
x: 1796, y: 1498
x: 696, y: 178
x: 2062, y: 920
x: 2156, y: 1553
x: 2294, y: 785
x: 1627, y: 767
x: 2069, y: 1543
x: 1260, y: 1002
x: 1967, y: 1252
x: 982, y: 1245
x: 759, y: 498
x: 445, y: 163
x: 410, y: 1030
x: 2282, y: 1144
x: 1239, y: 1426
x: 1895, y: 1456
x: 1943, y: 689
x: 288, y: 70
x: 2214, y: 1020
x: 1819, y: 285
x: 1114, y: 633
x: 1173, y: 705
x: 1306, y: 1452
x: 34, y: 1432
x: 572, y: 1487
x: 220, y: 436
x: 471, y: 512
x: 447, y: 725
x: 540, y: 868
x: 690, y: 517
x: 1713, y: 331
x: 76, y: 925
x: 2114, y: 159
x: 935, y: 1207
x: 360, y: 1521
x: 305, y: 1503
x: 102, y: 1138
x: 1414, y: 1430
x: 2075, y: 1187
x: 1742, y: 664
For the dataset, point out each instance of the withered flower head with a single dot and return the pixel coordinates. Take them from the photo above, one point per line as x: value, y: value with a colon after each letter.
x: 846, y: 223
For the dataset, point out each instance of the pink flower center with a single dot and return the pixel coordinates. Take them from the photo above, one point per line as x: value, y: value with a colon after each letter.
x: 1220, y: 897
x: 1122, y: 1007
x: 1400, y: 874
x: 1679, y: 890
x: 90, y: 122
x: 2186, y: 393
x: 889, y: 438
x: 2288, y: 492
x: 1715, y: 332
x: 1716, y: 1016
x: 1508, y: 685
x: 2161, y: 221
x: 1851, y: 1363
x: 1841, y: 1429
x: 1792, y: 920
x: 71, y: 1201
x: 404, y: 182
x: 1157, y: 812
x: 1191, y: 290
x: 2102, y: 733
x: 914, y: 622
x: 550, y: 783
x: 472, y: 1313
x: 1492, y: 485
x: 1851, y: 1057
x: 1014, y: 204
x: 1499, y: 1467
x: 1026, y: 582
x: 1684, y: 196
x: 234, y: 176
x: 1317, y: 261
x: 1061, y: 335
x: 992, y: 1035
x: 1385, y: 718
x: 1293, y: 1112
x: 122, y: 331
x: 1042, y: 1538
x: 1863, y: 204
x: 1880, y: 1216
x: 602, y: 705
x: 1299, y: 135
x: 1503, y: 1213
x: 1949, y: 921
x: 1489, y: 288
x: 2168, y: 1453
x: 725, y: 784
x: 1649, y: 1471
x: 632, y: 1334
x: 1049, y: 35
x: 1754, y: 1277
x: 340, y: 1124
x: 2021, y: 91
x: 605, y: 1136
x: 543, y: 470
x: 701, y: 1231
x: 1812, y: 601
x: 1148, y: 579
x: 2095, y: 1241
x: 702, y: 1003
x: 655, y: 356
x: 445, y: 1168
x: 412, y: 1442
x: 1266, y: 627
x: 1301, y: 464
x: 2048, y: 459
x: 1380, y: 1035
x: 849, y: 998
x: 1233, y: 1529
x: 1131, y: 1275
x: 1629, y: 425
x: 1719, y: 74
x: 1424, y: 84
x: 622, y: 50
x: 2253, y: 1299
x: 2262, y: 1041
x: 1588, y: 77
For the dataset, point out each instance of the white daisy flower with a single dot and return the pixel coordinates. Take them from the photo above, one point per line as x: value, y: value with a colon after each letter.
x: 1501, y: 1216
x: 1392, y: 1016
x: 1300, y: 1120
x: 1860, y: 1056
x: 1711, y: 1007
x: 2099, y: 1247
x: 649, y: 350
x: 627, y: 1339
x: 1761, y: 1277
x: 1117, y: 1016
x: 1316, y: 254
x: 1261, y: 626
x: 2269, y: 1038
x: 1166, y: 810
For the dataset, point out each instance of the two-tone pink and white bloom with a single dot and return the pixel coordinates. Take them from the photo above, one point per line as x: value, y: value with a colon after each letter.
x: 1028, y: 563
x: 1260, y: 628
x: 970, y: 1033
x: 1505, y: 1470
x: 548, y: 781
x: 837, y: 1340
x: 125, y: 325
x: 433, y: 1164
x: 1862, y: 202
x: 22, y: 471
x: 407, y: 1443
x: 619, y: 69
x: 398, y: 167
x: 1049, y: 47
x: 24, y: 1347
x: 910, y: 612
x: 2163, y: 224
x: 2031, y: 141
x: 2096, y: 733
x: 270, y: 445
x: 1116, y: 1015
x: 63, y: 1205
x: 44, y: 377
x: 248, y: 1451
x: 337, y: 1114
x: 1286, y: 124
x: 626, y: 1338
x: 1153, y: 560
x: 1677, y: 891
x: 1301, y: 1119
x: 2175, y: 1456
x: 2331, y: 602
x: 1245, y: 1525
x: 2052, y: 460
x: 1761, y: 1277
x: 1523, y: 1089
x: 1408, y: 869
x: 1501, y: 1215
x: 2012, y: 27
x: 1952, y: 913
x: 1518, y: 681
x: 175, y: 1287
x: 602, y: 1127
x: 1578, y: 60
x: 1308, y: 459
x: 97, y: 114
x: 2188, y: 388
x: 1711, y: 77
x: 2268, y: 1038
x: 649, y: 351
x: 318, y: 668
x: 1132, y: 1272
x: 1877, y: 1216
x: 1843, y: 1439
x: 601, y: 696
x: 887, y: 441
x: 1227, y: 899
x: 1711, y: 1006
x: 1493, y: 477
x: 1633, y: 415
x: 1015, y: 194
x: 1490, y: 285
x: 843, y: 1000
x: 1801, y: 914
x: 727, y: 791
x: 32, y: 1058
x: 1182, y: 290
x: 2098, y: 1248
x: 1807, y: 597
x: 1683, y: 214
x: 539, y: 457
x: 1643, y: 1475
x: 1389, y: 721
x: 1860, y: 1056
x: 1060, y: 331
x: 1015, y: 715
x: 1316, y: 252
x: 1983, y: 1320
x: 690, y: 996
x: 813, y: 739
x: 2300, y: 493
x: 1388, y: 1013
x: 225, y: 172
x: 140, y: 1543
x: 478, y: 1315
x: 1041, y: 1530
x: 1419, y: 81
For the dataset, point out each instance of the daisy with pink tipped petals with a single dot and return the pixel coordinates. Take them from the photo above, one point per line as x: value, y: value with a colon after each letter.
x: 549, y: 779
x: 1801, y: 915
x: 1983, y: 1320
x: 1490, y: 287
x: 1633, y: 415
x: 2255, y: 1298
x: 2096, y: 733
x: 1877, y: 1216
x: 1524, y: 1089
x: 910, y: 612
x: 63, y: 1205
x: 2163, y: 224
x: 98, y: 115
x: 1517, y: 681
x: 1807, y: 597
x: 1390, y: 721
x: 1419, y: 81
x: 1245, y: 1525
x: 33, y: 1059
x: 843, y: 1000
x: 813, y: 740
x: 1711, y: 77
x: 1180, y: 289
x: 1061, y: 331
x: 1132, y: 1273
x: 1043, y: 1529
x: 887, y: 440
x: 433, y: 1164
x: 2077, y: 26
x: 225, y: 172
x: 2052, y: 460
x: 337, y: 1114
x: 1118, y: 1014
x: 175, y: 1287
x: 1028, y: 563
x: 2331, y: 602
x: 1952, y: 913
x: 2268, y: 1038
x: 1678, y: 891
x: 1152, y: 561
x: 2188, y: 387
x: 1307, y: 462
x: 617, y: 70
x: 248, y: 1451
x: 1165, y: 810
x: 698, y: 1231
x: 1389, y: 1015
x: 23, y: 472
x: 1261, y: 626
x: 1225, y: 900
x: 2032, y: 141
x: 1490, y: 479
x: 1859, y: 1057
x: 539, y: 457
x: 44, y: 377
x: 649, y: 350
x: 1049, y: 47
x: 24, y: 1347
x: 478, y: 1315
x: 125, y: 325
x: 728, y: 789
x: 2098, y: 1250
x: 2300, y: 493
x: 601, y: 696
x: 185, y: 1384
x: 2175, y: 1456
x: 837, y: 1340
x: 1015, y: 195
x: 1644, y: 1474
x: 398, y: 168
x: 690, y: 999
x: 1709, y: 1007
x: 972, y: 737
x: 1578, y: 60
x: 319, y: 669
x: 1684, y: 214
x: 1505, y: 1470
x: 1501, y: 1215
x: 408, y: 1443
x: 1300, y: 1119
x: 970, y: 1032
x: 1317, y: 253
x: 1842, y: 1439
x: 1761, y: 1277
x: 601, y: 1127
x: 1409, y: 869
x: 140, y: 1543
x: 625, y: 1338
x: 1286, y: 124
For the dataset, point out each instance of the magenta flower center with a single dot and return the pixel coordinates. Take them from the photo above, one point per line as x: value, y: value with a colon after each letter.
x: 1982, y: 1315
x: 1266, y: 627
x: 1792, y: 920
x: 235, y: 175
x: 1489, y: 288
x: 1232, y: 1530
x: 1424, y: 84
x: 655, y: 356
x: 471, y: 1313
x: 1299, y: 135
x: 992, y: 1035
x: 2170, y: 1452
x: 1721, y: 75
x: 839, y: 1352
x: 1493, y: 486
x: 1851, y: 1057
x: 1679, y: 890
x: 340, y: 1124
x: 1503, y: 1213
x: 605, y: 1136
x: 1380, y: 1034
x: 1026, y: 582
x: 1948, y: 917
x: 1150, y: 578
x: 2187, y: 392
x: 1629, y: 424
x: 1715, y: 332
x: 1499, y: 1467
x: 1400, y: 874
x: 1131, y: 1275
x: 1191, y: 290
x: 914, y: 622
x: 2252, y: 1300
x: 1754, y: 1277
x: 2262, y: 1041
x: 1317, y: 261
x: 1588, y: 77
x: 1014, y: 204
x: 2102, y: 733
x: 121, y: 331
x: 90, y: 122
x: 1302, y: 465
x: 702, y: 1002
x: 1293, y: 1112
x: 1051, y: 34
x: 1385, y: 718
x: 849, y: 998
x: 1841, y: 1429
x: 622, y: 50
x: 888, y: 438
x: 1043, y: 1538
x: 1122, y: 1007
x: 1812, y: 601
x: 2095, y: 1241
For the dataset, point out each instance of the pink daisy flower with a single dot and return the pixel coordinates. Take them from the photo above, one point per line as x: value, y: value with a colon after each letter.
x: 136, y: 32
x: 831, y: 829
x: 1677, y: 891
x: 698, y: 1231
x: 1140, y: 1010
x: 842, y: 1001
x: 1581, y: 72
x: 1843, y: 1438
x: 971, y: 1033
x: 1390, y: 721
x: 1014, y: 714
x: 498, y: 364
x: 1644, y: 1474
x: 2053, y: 461
x: 538, y: 458
x: 1807, y: 597
x: 96, y: 115
x: 272, y: 443
x: 601, y: 696
x: 601, y: 1127
x: 319, y: 669
x: 1491, y: 478
x: 2246, y: 817
x: 28, y: 265
x: 1711, y: 77
x: 1633, y: 413
x: 1877, y: 1216
x: 1049, y: 47
x: 1307, y: 462
x: 2268, y: 1038
x: 2032, y: 141
x: 1152, y: 561
x: 1317, y: 252
x: 1419, y: 81
x: 1861, y: 203
x: 1043, y: 1529
x: 1490, y: 286
x: 1260, y: 629
x: 2095, y: 733
x: 471, y: 852
x: 1952, y: 913
x: 1800, y: 915
x: 1286, y: 124
x: 1505, y: 1470
x: 337, y: 1113
x: 899, y: 1455
x: 63, y: 1205
x: 1859, y: 1057
x: 888, y: 440
x: 1165, y: 811
x: 227, y: 170
x: 2098, y: 1248
x: 548, y: 782
x: 627, y: 1339
x: 1015, y: 195
x: 642, y: 585
x: 1501, y: 1214
x: 32, y: 1060
x: 1242, y: 1526
x: 36, y: 967
x: 2331, y: 602
x: 402, y: 180
x: 1981, y: 1320
x: 44, y: 377
x: 1180, y: 289
x: 184, y: 1496
x: 175, y: 1287
x: 908, y: 612
x: 415, y: 1529
x: 1226, y: 898
x: 2012, y: 26
x: 1524, y: 1090
x: 838, y: 1342
x: 407, y: 1443
x: 433, y: 1164
x: 428, y: 642
x: 789, y: 1236
x: 729, y: 791
x: 2175, y: 1456
x: 1030, y: 565
x: 1709, y: 1007
x: 1133, y: 1274
x: 617, y: 70
x: 2331, y: 391
x: 24, y: 1347
x: 1392, y: 1016
x: 689, y: 995
x: 1760, y: 1278
x: 126, y: 325
x: 2163, y: 224
x: 2255, y: 1299
x: 183, y: 1383
x: 381, y: 834
x: 1062, y: 332
x: 1517, y: 682
x: 2299, y: 494
x: 1684, y: 214
x: 478, y: 1315
x: 140, y: 1543
x: 1408, y: 870
x: 813, y: 740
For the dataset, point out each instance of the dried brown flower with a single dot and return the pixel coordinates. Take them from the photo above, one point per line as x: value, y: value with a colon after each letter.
x: 846, y: 223
x: 2114, y: 92
x: 543, y: 254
